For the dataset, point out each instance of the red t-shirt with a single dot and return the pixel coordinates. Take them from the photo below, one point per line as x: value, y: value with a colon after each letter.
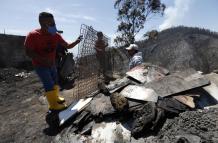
x: 44, y: 45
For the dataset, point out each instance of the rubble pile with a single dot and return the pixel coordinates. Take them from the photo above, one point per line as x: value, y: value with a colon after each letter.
x: 149, y: 104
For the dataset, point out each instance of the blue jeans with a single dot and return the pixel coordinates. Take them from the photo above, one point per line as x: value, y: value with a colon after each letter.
x: 48, y: 76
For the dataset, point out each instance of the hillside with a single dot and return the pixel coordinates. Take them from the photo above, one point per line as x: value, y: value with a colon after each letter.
x: 182, y: 47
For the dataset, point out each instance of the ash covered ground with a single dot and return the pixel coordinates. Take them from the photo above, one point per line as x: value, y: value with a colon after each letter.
x: 23, y: 111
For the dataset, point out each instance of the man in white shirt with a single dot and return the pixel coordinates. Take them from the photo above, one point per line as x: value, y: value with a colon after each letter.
x: 135, y: 56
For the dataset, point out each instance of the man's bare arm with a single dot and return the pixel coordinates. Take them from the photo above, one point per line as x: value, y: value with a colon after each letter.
x: 73, y: 44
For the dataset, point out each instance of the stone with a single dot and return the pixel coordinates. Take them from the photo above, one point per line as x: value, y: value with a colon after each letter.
x: 120, y: 103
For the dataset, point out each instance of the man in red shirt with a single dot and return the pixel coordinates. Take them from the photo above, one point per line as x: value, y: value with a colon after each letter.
x: 40, y: 46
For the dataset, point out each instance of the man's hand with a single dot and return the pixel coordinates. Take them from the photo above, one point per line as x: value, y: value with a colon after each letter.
x: 80, y: 38
x: 69, y: 46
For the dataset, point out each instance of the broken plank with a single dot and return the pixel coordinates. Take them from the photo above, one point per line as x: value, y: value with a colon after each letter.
x: 72, y: 110
x: 176, y: 83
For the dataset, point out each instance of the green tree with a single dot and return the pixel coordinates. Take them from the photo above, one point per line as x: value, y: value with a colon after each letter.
x: 132, y: 15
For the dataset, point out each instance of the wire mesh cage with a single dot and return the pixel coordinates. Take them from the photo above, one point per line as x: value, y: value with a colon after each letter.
x: 87, y: 65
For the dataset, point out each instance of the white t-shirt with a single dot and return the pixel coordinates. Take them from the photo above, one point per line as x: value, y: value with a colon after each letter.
x: 135, y: 60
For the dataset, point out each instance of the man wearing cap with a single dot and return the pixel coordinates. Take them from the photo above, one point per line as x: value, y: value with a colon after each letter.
x: 135, y: 56
x: 40, y: 46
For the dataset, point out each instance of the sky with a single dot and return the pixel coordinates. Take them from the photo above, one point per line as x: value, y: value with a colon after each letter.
x: 18, y: 17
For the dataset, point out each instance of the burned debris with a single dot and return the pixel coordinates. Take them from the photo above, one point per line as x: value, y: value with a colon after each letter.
x: 138, y: 105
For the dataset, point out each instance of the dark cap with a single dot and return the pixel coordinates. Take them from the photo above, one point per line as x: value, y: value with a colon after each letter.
x: 43, y: 15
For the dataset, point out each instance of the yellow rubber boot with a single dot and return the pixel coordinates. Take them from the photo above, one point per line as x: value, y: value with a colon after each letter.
x: 52, y: 102
x: 58, y: 98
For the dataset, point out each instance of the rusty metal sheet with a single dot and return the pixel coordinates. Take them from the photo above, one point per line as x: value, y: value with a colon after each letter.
x: 176, y: 83
x: 187, y: 100
x: 139, y: 73
x: 147, y: 73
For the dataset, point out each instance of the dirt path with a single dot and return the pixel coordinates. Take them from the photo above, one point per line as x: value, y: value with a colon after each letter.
x: 22, y: 115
